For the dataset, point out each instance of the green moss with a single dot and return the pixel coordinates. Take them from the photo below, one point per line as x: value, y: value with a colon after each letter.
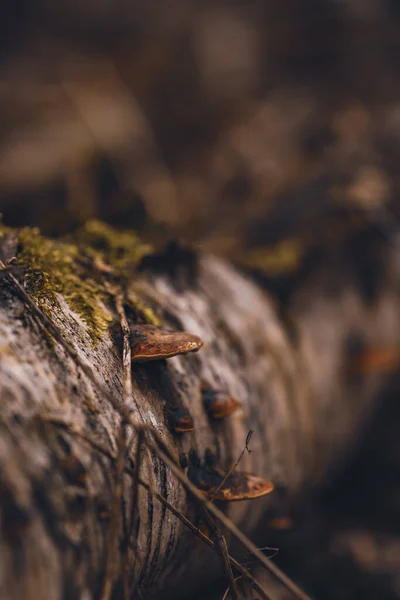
x: 281, y: 259
x: 3, y: 228
x: 51, y: 269
x: 143, y: 313
x: 122, y: 250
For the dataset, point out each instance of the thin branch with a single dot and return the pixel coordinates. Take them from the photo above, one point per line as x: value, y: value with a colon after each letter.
x: 126, y: 352
x: 110, y: 571
x: 226, y: 593
x: 112, y: 552
x: 135, y: 493
x: 222, y: 551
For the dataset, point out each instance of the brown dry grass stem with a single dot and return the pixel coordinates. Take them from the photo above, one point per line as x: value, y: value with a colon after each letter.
x: 135, y: 493
x: 226, y: 593
x: 218, y: 537
x: 222, y: 551
x: 115, y: 522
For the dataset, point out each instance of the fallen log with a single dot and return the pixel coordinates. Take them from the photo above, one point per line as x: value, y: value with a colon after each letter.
x: 101, y: 490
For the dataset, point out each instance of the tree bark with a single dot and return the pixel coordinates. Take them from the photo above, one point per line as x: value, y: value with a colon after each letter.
x: 59, y: 504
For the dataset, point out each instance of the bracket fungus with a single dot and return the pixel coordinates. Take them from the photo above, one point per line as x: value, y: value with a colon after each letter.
x: 281, y: 523
x: 219, y: 404
x: 180, y: 421
x: 238, y: 485
x: 153, y: 343
x: 377, y: 360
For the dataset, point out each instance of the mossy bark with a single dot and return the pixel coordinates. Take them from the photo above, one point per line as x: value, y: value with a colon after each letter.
x: 57, y: 490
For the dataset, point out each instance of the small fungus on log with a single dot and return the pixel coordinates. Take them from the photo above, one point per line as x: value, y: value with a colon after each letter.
x: 239, y: 485
x: 180, y: 421
x: 153, y: 343
x: 219, y: 404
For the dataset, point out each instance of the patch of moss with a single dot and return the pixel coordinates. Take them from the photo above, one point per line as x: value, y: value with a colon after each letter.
x: 3, y: 228
x: 53, y: 268
x: 6, y: 248
x: 281, y: 259
x: 142, y: 312
x: 121, y: 250
x: 50, y: 269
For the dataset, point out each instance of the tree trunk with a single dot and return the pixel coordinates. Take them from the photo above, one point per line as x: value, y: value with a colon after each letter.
x: 59, y: 503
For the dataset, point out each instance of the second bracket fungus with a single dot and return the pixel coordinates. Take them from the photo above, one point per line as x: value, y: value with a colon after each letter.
x: 239, y: 485
x: 219, y: 404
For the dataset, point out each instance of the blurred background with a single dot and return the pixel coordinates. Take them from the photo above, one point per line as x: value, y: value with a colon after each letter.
x: 267, y: 132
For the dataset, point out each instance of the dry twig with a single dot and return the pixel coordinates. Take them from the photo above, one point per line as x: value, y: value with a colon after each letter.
x: 111, y: 567
x: 222, y: 551
x: 112, y: 552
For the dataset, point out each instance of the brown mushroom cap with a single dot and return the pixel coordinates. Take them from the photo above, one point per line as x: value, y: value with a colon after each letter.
x: 219, y: 404
x: 381, y: 360
x: 180, y: 421
x: 280, y: 523
x: 153, y: 343
x: 238, y: 486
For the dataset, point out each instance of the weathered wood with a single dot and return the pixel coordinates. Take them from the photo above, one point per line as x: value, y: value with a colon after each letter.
x: 57, y: 490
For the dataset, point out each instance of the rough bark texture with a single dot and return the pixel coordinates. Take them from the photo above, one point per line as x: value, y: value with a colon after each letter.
x: 57, y: 490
